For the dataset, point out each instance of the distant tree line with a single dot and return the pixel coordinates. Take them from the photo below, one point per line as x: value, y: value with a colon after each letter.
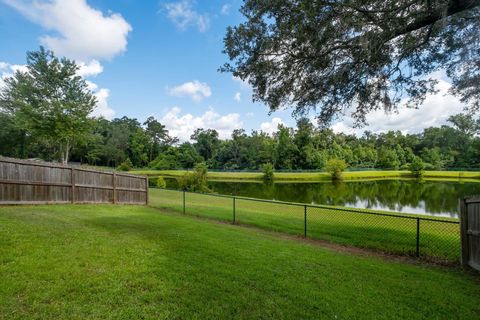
x: 149, y: 144
x: 455, y: 145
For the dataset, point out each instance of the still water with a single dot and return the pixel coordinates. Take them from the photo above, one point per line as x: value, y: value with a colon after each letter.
x: 437, y: 198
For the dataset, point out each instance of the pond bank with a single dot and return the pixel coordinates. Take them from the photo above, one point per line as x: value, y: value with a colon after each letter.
x: 320, y: 176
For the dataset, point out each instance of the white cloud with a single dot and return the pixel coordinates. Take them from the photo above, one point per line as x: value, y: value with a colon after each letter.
x: 183, y: 126
x: 183, y: 15
x: 243, y: 84
x: 272, y: 126
x: 102, y: 108
x: 249, y: 114
x: 195, y: 89
x: 237, y: 97
x: 91, y: 85
x: 225, y: 9
x: 7, y: 70
x: 19, y: 67
x: 80, y: 31
x: 90, y: 69
x: 434, y: 112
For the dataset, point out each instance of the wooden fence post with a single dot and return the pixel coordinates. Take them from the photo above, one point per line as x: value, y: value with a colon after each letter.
x: 463, y: 214
x: 114, y: 185
x: 72, y: 180
x: 146, y: 190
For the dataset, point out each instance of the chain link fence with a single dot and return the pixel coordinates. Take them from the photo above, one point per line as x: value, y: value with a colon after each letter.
x: 401, y: 234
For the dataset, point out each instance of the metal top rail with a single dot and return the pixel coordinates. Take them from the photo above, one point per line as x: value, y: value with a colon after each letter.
x: 345, y: 209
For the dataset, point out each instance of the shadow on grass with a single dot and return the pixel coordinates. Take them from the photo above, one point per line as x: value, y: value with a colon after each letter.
x: 391, y: 237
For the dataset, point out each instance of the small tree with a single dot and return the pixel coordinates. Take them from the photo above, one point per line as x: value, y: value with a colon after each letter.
x: 335, y: 167
x: 161, y: 183
x: 196, y: 181
x: 417, y: 167
x: 125, y: 165
x: 267, y: 169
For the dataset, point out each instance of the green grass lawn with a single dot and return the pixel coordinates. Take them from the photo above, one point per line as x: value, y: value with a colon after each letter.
x: 438, y: 240
x: 318, y: 176
x: 132, y: 262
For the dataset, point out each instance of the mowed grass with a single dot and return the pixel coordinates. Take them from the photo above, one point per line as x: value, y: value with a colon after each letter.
x: 319, y: 176
x: 438, y: 240
x: 132, y: 262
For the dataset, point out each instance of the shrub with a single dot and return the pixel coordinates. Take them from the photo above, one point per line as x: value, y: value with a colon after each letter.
x: 267, y: 169
x: 126, y: 165
x: 417, y: 167
x: 388, y: 159
x: 161, y: 183
x: 166, y: 160
x: 196, y: 181
x: 335, y: 167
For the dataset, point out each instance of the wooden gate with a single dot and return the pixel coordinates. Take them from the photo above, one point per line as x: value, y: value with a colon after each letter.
x: 470, y: 232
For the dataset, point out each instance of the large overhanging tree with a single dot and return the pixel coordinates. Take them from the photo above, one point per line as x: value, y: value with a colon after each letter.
x: 336, y: 55
x: 49, y: 100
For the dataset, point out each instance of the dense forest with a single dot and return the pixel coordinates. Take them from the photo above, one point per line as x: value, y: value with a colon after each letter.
x: 148, y: 144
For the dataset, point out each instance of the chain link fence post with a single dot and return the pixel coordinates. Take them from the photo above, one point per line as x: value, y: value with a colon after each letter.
x: 418, y: 238
x: 233, y: 209
x: 305, y: 221
x: 183, y: 201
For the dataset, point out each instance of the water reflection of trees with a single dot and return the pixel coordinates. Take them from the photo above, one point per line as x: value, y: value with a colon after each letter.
x: 432, y: 197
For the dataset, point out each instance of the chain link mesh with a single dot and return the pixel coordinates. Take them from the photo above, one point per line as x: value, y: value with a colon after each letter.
x: 439, y: 239
x: 281, y: 217
x: 393, y: 233
x: 166, y: 199
x: 209, y: 206
x: 375, y: 231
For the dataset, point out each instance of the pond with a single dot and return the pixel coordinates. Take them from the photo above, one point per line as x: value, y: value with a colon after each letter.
x: 437, y: 198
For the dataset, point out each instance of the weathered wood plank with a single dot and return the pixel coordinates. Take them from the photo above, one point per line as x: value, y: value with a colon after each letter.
x: 32, y: 202
x: 93, y: 186
x: 146, y: 190
x: 35, y: 183
x: 470, y: 233
x: 72, y: 182
x: 24, y: 182
x: 462, y: 210
x: 114, y: 184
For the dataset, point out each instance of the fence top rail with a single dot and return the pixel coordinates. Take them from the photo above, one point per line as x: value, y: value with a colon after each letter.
x: 90, y: 170
x: 471, y: 200
x: 318, y: 206
x: 138, y: 176
x: 34, y: 163
x: 65, y: 167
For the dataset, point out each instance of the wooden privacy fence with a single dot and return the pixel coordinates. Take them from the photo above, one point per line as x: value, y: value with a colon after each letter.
x: 32, y: 182
x: 470, y: 232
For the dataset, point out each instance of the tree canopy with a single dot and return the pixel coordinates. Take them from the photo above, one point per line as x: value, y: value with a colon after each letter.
x: 49, y: 100
x: 334, y: 56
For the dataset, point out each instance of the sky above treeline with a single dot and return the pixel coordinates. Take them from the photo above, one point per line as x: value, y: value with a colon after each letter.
x: 161, y: 59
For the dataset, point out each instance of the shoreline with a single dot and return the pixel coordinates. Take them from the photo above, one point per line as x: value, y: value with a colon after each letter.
x: 465, y: 176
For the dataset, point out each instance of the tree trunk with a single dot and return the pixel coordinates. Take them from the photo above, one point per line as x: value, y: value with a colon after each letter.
x: 23, y: 153
x: 65, y: 153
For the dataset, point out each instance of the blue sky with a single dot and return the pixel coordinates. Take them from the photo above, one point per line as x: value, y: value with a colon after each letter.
x: 161, y: 58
